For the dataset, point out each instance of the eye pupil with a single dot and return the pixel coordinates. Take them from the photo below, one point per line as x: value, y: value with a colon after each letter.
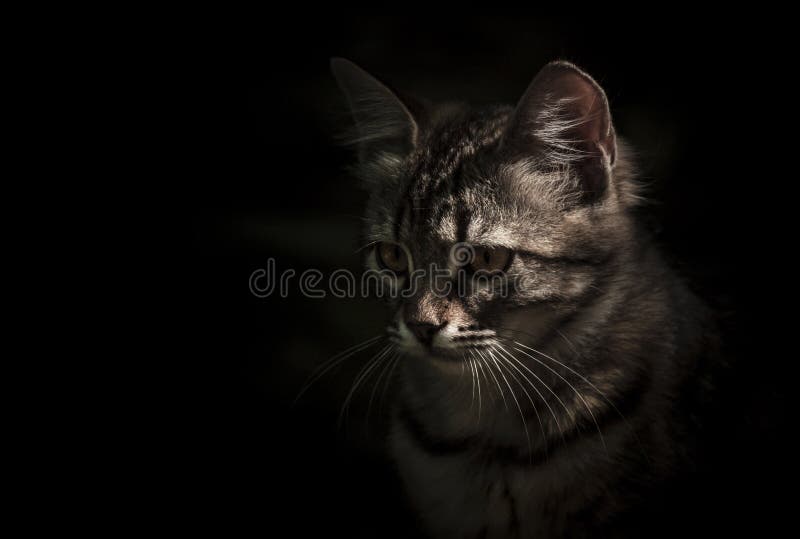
x: 391, y: 256
x: 491, y: 259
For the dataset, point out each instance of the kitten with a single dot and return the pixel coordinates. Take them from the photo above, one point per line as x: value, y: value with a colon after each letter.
x: 552, y: 403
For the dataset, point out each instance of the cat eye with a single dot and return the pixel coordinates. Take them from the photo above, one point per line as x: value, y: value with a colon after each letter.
x: 491, y: 259
x: 392, y: 256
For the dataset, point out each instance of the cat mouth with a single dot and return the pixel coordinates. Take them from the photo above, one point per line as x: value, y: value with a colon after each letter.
x: 454, y: 348
x: 462, y: 348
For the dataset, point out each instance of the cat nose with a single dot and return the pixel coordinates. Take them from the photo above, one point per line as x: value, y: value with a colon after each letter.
x: 424, y: 331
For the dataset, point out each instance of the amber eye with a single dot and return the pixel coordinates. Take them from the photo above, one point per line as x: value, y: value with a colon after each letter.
x: 491, y: 259
x: 392, y: 257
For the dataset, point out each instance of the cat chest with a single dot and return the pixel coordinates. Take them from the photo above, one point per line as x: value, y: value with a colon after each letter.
x: 459, y: 495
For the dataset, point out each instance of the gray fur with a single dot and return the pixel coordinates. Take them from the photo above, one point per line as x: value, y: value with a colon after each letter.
x: 616, y: 334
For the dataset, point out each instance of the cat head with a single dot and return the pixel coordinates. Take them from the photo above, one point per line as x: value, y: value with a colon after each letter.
x: 523, y: 210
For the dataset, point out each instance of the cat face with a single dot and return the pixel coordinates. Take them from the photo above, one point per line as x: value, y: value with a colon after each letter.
x: 492, y: 223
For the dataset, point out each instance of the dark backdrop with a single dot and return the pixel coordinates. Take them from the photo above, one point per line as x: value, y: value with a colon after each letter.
x: 264, y: 178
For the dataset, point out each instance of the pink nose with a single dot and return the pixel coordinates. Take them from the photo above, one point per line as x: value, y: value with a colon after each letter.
x: 424, y: 331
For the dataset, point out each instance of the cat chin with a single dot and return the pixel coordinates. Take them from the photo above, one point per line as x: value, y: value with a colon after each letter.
x: 440, y: 366
x: 446, y: 357
x: 439, y: 355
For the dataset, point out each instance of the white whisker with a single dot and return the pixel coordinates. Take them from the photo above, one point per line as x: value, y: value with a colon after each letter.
x: 497, y: 383
x: 362, y: 375
x: 377, y: 383
x: 333, y: 362
x: 552, y: 412
x: 578, y: 393
x: 519, y: 408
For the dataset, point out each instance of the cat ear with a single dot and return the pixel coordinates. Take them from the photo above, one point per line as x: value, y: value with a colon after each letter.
x: 563, y: 119
x: 384, y: 124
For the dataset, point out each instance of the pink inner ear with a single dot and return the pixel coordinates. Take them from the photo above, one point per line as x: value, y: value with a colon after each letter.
x: 580, y: 105
x: 588, y: 105
x: 564, y: 119
x: 589, y: 109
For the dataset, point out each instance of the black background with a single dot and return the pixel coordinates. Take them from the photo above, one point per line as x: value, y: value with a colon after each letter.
x: 263, y: 177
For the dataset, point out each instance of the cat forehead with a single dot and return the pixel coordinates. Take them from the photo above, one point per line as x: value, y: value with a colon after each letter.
x: 446, y: 193
x: 455, y: 134
x: 474, y: 216
x: 457, y: 188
